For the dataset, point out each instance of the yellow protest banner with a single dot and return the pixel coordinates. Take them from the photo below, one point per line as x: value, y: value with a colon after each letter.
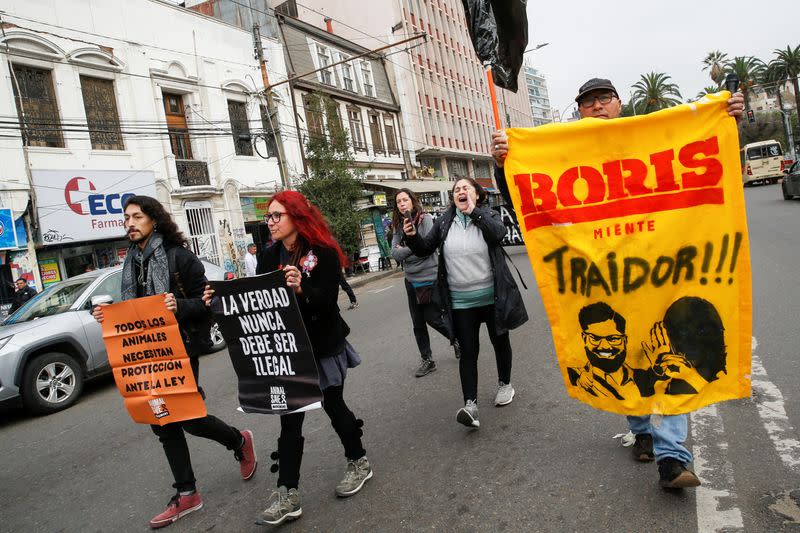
x: 151, y: 368
x: 636, y: 231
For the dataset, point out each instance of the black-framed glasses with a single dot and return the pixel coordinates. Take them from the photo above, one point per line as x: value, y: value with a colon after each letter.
x: 274, y: 217
x: 613, y: 340
x: 588, y: 101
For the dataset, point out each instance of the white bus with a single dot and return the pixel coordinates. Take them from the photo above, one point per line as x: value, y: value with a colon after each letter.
x: 762, y: 162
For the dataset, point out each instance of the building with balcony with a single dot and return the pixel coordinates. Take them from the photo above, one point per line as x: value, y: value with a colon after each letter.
x: 440, y: 84
x: 536, y: 86
x: 105, y: 99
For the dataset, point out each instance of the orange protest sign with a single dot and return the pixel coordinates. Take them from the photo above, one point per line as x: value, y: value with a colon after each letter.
x: 149, y: 361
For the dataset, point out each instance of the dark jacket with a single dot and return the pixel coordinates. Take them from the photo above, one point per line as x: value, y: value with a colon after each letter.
x: 509, y: 309
x: 502, y: 185
x: 187, y: 282
x: 326, y: 328
x: 20, y: 297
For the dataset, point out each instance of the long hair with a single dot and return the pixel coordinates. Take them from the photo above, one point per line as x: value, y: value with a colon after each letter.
x: 312, y: 230
x: 482, y: 194
x: 397, y: 216
x: 165, y: 226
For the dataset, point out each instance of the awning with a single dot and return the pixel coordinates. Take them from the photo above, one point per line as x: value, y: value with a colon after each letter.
x: 415, y: 186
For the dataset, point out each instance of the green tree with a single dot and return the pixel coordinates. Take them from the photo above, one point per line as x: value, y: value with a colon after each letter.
x: 749, y: 70
x: 715, y: 63
x: 709, y: 89
x: 768, y: 125
x: 786, y: 66
x: 655, y: 91
x: 332, y: 185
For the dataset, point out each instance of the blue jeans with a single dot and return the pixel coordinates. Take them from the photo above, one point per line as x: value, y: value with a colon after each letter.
x: 668, y: 438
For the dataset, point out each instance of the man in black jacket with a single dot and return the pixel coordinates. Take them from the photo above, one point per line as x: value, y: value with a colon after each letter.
x: 23, y: 293
x: 158, y: 262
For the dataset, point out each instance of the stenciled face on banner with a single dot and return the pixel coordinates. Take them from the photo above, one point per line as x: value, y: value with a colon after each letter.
x: 637, y: 233
x: 86, y: 205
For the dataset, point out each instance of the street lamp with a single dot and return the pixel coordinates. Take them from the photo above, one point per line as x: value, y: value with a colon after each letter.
x: 540, y: 45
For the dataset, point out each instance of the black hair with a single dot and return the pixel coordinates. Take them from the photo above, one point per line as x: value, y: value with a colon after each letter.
x: 600, y: 312
x: 164, y: 223
x: 482, y: 194
x: 695, y: 330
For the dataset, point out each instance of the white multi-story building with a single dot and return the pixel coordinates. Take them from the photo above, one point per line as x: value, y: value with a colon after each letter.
x: 103, y: 99
x: 441, y: 86
x: 536, y: 85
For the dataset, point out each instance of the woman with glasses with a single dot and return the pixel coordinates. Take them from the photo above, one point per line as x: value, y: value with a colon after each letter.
x: 475, y: 285
x: 420, y: 274
x: 312, y: 260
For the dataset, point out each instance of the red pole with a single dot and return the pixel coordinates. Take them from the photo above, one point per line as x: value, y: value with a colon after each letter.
x: 493, y: 97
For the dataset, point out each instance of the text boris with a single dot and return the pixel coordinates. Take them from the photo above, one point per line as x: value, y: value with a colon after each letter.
x: 624, y: 187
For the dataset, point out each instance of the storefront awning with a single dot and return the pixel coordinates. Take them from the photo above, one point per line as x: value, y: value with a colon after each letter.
x: 415, y: 186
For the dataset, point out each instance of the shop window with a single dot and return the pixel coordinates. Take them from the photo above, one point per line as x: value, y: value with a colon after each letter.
x: 102, y: 117
x: 202, y: 237
x: 37, y: 107
x: 240, y: 128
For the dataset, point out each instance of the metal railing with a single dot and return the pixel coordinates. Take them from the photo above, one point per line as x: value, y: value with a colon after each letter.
x: 192, y: 173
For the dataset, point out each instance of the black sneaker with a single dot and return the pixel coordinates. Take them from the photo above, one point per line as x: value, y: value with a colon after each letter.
x: 425, y: 367
x: 642, y: 449
x: 674, y: 475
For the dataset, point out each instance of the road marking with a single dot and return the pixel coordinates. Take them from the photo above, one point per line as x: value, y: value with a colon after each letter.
x: 715, y: 498
x: 376, y: 291
x: 772, y: 410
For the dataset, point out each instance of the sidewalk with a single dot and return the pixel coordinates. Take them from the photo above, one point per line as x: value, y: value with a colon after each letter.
x: 359, y: 280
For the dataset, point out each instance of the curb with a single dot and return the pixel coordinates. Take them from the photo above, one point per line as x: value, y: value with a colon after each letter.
x: 360, y: 282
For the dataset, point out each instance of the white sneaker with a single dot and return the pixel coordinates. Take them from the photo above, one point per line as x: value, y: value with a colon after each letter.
x: 505, y: 394
x: 468, y: 415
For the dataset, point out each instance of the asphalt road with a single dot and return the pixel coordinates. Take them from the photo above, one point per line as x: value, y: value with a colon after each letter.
x: 543, y: 463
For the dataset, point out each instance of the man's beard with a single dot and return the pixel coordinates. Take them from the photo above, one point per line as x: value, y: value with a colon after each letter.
x: 605, y: 364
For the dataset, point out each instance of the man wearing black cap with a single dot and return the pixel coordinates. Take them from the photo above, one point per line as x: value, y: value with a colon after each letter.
x: 598, y: 98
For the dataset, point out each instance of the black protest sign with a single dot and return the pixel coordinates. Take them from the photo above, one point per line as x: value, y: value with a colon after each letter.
x: 509, y: 217
x: 268, y: 344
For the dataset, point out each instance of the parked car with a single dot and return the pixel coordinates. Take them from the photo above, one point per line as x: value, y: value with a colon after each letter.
x: 52, y: 344
x: 791, y: 182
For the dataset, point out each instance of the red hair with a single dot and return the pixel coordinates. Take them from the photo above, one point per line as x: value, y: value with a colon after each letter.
x: 309, y: 222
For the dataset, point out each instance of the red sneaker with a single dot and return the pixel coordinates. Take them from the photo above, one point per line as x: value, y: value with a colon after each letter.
x: 178, y: 507
x: 246, y: 456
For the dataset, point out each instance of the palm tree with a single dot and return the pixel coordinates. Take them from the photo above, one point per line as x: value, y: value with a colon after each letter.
x: 709, y: 89
x: 655, y: 91
x: 715, y: 63
x: 786, y: 66
x: 749, y: 70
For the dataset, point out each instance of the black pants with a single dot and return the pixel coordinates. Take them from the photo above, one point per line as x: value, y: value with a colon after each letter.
x: 290, y: 443
x: 467, y: 324
x: 173, y: 438
x: 347, y: 289
x: 422, y: 316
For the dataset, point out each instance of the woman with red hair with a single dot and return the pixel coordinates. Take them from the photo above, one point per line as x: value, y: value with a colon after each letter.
x: 312, y: 261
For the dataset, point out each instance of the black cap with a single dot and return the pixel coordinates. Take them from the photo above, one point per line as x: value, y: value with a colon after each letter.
x: 594, y: 84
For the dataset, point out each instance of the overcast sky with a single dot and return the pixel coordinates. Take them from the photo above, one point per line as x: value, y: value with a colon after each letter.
x: 622, y: 39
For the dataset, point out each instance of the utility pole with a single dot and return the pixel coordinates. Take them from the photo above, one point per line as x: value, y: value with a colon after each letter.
x: 271, y: 108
